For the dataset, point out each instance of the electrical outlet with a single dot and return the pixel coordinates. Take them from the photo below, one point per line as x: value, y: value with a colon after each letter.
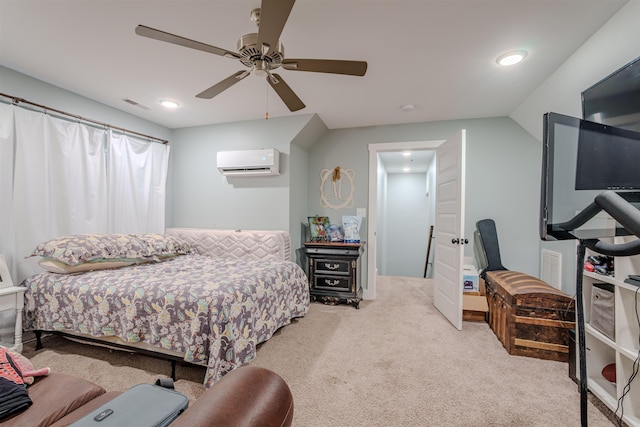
x: 361, y: 212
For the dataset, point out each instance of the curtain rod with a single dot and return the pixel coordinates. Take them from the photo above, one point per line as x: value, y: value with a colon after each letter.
x: 17, y: 101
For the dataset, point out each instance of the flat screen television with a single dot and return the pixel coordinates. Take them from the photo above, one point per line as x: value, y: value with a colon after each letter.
x: 615, y: 100
x: 581, y: 159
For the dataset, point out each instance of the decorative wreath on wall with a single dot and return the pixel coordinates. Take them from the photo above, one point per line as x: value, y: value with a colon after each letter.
x: 336, y: 188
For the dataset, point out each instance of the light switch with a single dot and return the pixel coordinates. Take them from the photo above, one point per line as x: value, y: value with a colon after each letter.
x: 361, y: 212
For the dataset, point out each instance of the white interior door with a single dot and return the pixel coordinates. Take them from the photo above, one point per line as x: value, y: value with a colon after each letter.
x: 449, y: 228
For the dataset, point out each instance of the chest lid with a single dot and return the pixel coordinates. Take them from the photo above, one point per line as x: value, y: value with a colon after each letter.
x: 520, y: 289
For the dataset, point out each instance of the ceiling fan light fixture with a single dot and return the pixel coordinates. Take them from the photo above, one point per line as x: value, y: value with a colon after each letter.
x: 261, y: 68
x: 511, y: 58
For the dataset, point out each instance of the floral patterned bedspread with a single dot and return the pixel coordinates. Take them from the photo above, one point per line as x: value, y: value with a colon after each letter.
x: 216, y: 311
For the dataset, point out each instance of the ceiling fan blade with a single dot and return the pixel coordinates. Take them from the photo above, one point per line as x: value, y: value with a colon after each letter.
x: 225, y: 84
x: 163, y: 36
x: 273, y: 16
x: 334, y: 66
x: 285, y: 93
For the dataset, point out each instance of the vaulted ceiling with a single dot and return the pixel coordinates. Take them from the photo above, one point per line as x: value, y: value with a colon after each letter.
x: 436, y: 58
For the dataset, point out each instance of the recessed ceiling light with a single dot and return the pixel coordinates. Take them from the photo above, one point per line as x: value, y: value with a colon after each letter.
x: 406, y: 169
x: 406, y: 153
x: 171, y: 104
x: 511, y: 58
x: 407, y: 107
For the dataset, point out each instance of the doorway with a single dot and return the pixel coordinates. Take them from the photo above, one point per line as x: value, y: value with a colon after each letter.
x: 406, y: 210
x: 377, y: 203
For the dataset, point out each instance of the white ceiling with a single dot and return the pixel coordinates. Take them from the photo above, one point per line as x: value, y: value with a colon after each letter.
x: 438, y: 55
x: 397, y: 162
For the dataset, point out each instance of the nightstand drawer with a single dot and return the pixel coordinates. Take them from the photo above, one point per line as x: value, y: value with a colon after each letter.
x: 8, y: 302
x: 334, y: 283
x: 332, y: 266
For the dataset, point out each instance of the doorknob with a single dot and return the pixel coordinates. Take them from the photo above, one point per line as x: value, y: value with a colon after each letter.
x: 455, y: 241
x: 459, y: 241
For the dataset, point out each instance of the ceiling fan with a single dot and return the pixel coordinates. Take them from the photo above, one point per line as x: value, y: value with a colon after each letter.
x: 262, y: 53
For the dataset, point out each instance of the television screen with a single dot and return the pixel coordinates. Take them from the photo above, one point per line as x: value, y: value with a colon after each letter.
x: 580, y: 159
x: 602, y: 166
x: 615, y: 100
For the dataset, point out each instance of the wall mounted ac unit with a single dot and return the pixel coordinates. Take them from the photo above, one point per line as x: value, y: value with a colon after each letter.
x: 249, y: 162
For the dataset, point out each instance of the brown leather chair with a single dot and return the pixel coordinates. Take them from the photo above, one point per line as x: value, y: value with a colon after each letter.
x: 246, y: 396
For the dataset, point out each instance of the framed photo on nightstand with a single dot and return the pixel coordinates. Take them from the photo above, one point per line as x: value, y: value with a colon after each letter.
x: 5, y: 277
x: 318, y: 228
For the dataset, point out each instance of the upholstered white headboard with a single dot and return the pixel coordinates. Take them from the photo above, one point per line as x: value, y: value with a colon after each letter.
x: 251, y: 244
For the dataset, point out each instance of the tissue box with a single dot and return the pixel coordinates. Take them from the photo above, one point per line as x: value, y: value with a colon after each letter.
x: 470, y: 282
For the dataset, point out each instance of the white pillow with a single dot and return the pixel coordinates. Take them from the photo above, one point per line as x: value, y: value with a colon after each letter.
x: 62, y: 268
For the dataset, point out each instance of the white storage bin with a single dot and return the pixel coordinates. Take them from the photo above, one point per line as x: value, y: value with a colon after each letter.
x: 603, y: 309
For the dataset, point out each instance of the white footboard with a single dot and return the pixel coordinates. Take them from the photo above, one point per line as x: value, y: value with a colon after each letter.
x: 251, y: 244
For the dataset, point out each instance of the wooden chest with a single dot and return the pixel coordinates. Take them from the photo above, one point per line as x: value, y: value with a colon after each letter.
x: 529, y: 316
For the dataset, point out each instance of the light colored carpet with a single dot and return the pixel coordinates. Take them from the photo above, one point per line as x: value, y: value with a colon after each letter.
x: 394, y: 362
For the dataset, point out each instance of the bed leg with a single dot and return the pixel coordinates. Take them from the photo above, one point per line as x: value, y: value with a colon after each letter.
x: 173, y: 370
x: 38, y: 340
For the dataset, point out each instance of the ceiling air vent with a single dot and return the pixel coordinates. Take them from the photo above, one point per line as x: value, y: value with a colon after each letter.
x: 136, y: 103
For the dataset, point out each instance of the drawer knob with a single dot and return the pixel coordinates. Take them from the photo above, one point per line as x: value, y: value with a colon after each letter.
x: 332, y: 266
x: 332, y: 282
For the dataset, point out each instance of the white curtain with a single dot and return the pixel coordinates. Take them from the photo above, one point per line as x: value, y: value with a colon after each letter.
x: 59, y: 177
x: 6, y: 183
x: 59, y: 182
x: 137, y: 178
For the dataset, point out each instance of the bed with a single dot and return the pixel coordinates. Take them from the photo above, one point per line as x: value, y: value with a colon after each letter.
x: 208, y: 297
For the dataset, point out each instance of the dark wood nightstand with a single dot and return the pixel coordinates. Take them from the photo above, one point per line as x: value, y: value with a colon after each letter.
x: 334, y: 272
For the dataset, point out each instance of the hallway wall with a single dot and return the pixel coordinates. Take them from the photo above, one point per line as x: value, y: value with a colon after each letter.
x: 407, y: 224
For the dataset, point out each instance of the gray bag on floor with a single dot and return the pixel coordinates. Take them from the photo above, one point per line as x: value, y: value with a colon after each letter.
x: 143, y: 405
